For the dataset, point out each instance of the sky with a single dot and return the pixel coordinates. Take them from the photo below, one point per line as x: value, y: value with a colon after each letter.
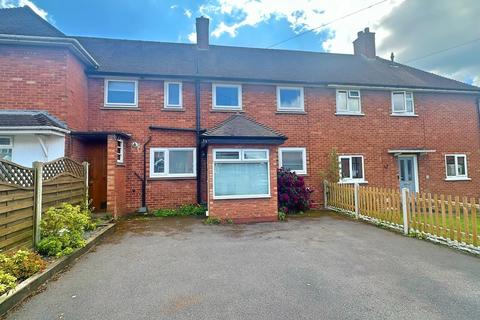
x: 440, y: 36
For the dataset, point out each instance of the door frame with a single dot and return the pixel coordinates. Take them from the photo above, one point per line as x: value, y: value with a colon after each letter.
x: 415, y: 166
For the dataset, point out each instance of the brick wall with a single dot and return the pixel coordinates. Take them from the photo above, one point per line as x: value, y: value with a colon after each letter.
x: 244, y: 210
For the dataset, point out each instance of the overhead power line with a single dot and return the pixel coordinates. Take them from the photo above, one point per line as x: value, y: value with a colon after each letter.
x: 326, y: 24
x: 443, y: 50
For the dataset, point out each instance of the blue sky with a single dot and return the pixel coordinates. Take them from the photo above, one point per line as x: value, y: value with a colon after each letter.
x: 412, y: 29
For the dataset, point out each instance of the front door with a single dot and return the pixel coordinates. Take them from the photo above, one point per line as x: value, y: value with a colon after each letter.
x: 407, y: 167
x: 97, y: 157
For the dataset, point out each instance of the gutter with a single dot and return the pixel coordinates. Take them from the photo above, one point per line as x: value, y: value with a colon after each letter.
x: 35, y: 128
x: 70, y: 43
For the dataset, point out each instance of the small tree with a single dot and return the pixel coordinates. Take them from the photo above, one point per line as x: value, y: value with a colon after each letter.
x: 293, y: 195
x: 332, y: 172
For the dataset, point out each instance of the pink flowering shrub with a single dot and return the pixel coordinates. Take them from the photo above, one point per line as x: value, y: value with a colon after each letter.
x: 293, y: 195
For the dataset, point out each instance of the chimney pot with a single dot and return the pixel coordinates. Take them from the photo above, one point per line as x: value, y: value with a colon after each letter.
x: 202, y: 26
x: 365, y: 44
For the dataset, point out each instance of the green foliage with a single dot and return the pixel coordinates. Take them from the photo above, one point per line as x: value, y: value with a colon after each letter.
x: 282, y: 216
x: 185, y: 210
x: 332, y: 173
x: 63, y: 228
x: 7, y: 282
x: 22, y: 264
x: 212, y: 220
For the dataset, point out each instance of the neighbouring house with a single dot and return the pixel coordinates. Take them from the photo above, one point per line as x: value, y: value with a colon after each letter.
x: 164, y: 124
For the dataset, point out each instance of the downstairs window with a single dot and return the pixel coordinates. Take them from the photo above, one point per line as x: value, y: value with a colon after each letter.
x: 172, y: 162
x: 6, y: 148
x: 351, y: 169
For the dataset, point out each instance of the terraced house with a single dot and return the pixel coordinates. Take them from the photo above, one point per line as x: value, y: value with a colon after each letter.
x: 164, y: 124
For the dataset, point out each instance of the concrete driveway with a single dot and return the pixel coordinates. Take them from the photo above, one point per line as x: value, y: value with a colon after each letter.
x: 322, y: 267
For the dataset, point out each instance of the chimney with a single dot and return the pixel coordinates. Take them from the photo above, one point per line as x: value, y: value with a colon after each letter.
x: 365, y: 44
x: 202, y: 33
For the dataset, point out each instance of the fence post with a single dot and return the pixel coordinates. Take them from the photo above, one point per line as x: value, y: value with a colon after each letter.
x: 85, y: 181
x: 355, y: 192
x: 325, y: 203
x: 404, y: 209
x: 37, y: 200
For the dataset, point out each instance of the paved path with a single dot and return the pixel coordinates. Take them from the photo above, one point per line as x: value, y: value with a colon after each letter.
x: 322, y: 267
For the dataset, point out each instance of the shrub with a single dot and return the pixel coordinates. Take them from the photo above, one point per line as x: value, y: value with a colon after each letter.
x: 7, y: 282
x: 213, y: 220
x: 185, y: 210
x: 22, y: 264
x: 63, y: 228
x: 332, y: 173
x: 281, y: 215
x: 293, y: 195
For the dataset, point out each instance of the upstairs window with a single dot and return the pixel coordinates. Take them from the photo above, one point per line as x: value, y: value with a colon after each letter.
x: 402, y: 103
x: 456, y: 166
x: 6, y: 148
x: 227, y: 96
x: 173, y: 95
x: 290, y: 99
x: 172, y: 162
x: 119, y: 151
x: 293, y: 159
x: 351, y: 169
x: 348, y: 102
x: 121, y: 93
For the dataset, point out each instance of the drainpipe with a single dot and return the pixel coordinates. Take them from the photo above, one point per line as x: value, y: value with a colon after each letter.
x: 143, y: 208
x: 197, y: 135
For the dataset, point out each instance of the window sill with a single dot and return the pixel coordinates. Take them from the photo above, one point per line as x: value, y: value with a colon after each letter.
x: 403, y: 115
x: 290, y: 112
x: 240, y: 197
x: 129, y: 108
x: 349, y: 114
x: 171, y: 178
x: 120, y: 164
x: 353, y: 182
x: 174, y: 109
x: 226, y: 110
x: 458, y: 179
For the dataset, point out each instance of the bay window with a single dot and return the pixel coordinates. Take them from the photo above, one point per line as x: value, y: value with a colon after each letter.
x: 241, y: 173
x: 172, y: 162
x: 351, y: 169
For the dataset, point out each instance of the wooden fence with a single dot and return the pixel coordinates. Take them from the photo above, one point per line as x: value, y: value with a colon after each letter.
x: 442, y: 217
x: 25, y: 193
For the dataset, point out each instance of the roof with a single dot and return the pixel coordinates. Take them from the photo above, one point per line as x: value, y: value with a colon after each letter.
x: 22, y: 119
x: 23, y: 21
x: 92, y: 135
x: 240, y: 128
x: 149, y: 58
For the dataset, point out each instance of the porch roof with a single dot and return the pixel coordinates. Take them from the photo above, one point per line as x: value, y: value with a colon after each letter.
x: 100, y: 134
x: 242, y: 129
x: 30, y: 121
x: 400, y: 151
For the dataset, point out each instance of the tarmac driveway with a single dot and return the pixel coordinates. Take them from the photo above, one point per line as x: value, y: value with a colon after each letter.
x: 323, y: 267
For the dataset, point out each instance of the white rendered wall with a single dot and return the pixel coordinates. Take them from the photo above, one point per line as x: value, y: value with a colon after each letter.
x: 27, y: 149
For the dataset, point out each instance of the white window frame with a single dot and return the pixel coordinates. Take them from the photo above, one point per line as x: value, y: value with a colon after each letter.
x: 120, y: 105
x: 304, y: 158
x: 120, y: 155
x: 404, y: 112
x: 241, y: 160
x: 348, y: 111
x: 228, y: 85
x: 351, y: 180
x: 167, y: 105
x: 457, y: 176
x: 8, y: 146
x: 302, y: 100
x: 166, y: 173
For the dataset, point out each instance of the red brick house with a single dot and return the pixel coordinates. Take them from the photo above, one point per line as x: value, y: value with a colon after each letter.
x: 164, y: 124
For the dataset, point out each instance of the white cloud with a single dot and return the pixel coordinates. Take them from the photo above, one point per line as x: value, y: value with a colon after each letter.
x: 192, y: 37
x: 20, y: 3
x: 187, y: 13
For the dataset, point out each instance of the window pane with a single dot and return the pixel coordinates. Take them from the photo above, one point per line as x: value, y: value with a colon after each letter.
x: 5, y: 141
x: 342, y: 101
x: 451, y: 166
x: 159, y: 162
x: 354, y: 104
x: 292, y: 160
x: 398, y: 102
x: 357, y: 171
x: 180, y: 161
x: 227, y: 96
x: 6, y: 154
x: 461, y: 165
x: 227, y: 155
x: 173, y: 94
x: 249, y: 155
x: 236, y: 179
x: 345, y: 168
x: 121, y: 92
x: 290, y: 99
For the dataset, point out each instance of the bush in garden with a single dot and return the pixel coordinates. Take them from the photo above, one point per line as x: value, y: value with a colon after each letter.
x: 185, y: 210
x: 22, y: 264
x: 62, y: 230
x: 7, y: 282
x: 293, y: 195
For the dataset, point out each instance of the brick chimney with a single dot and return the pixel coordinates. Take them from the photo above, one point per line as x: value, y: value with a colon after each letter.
x: 202, y: 33
x: 365, y: 44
